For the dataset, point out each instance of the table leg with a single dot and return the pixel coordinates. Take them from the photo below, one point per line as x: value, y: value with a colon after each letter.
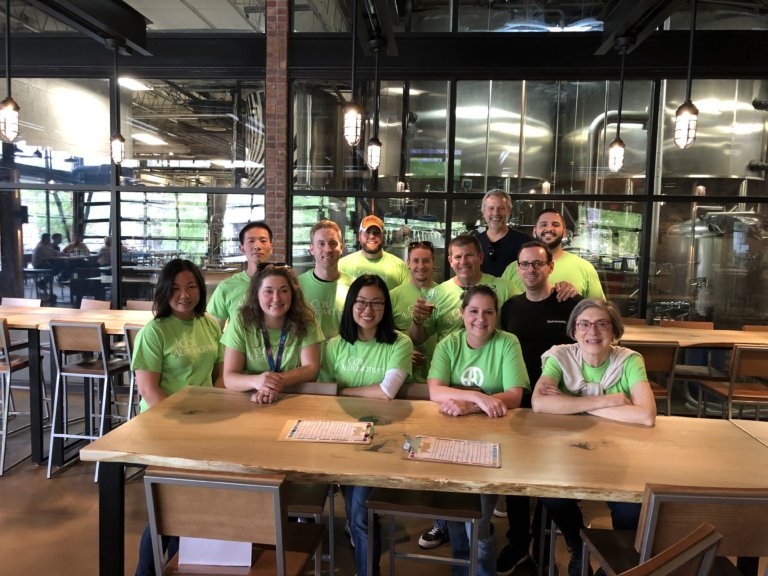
x: 35, y: 397
x: 111, y: 519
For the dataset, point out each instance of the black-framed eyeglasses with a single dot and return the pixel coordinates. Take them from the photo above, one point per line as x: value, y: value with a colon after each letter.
x: 601, y: 325
x: 376, y: 305
x: 536, y: 264
x: 261, y: 266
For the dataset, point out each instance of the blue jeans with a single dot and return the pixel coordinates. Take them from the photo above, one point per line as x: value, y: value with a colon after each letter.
x: 459, y: 534
x: 146, y: 564
x: 355, y: 498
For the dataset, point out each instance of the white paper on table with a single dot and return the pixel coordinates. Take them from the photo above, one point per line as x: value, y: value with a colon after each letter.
x: 214, y: 552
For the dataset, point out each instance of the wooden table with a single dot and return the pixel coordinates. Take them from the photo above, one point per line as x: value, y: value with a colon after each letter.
x: 34, y: 321
x: 757, y: 429
x: 542, y: 454
x: 694, y: 337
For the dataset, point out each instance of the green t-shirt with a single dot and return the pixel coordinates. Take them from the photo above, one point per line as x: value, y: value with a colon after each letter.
x: 250, y: 342
x: 633, y: 371
x: 365, y: 362
x: 446, y: 319
x: 326, y: 299
x: 496, y: 367
x: 183, y: 352
x: 568, y: 268
x: 228, y: 296
x: 391, y: 268
x: 403, y: 298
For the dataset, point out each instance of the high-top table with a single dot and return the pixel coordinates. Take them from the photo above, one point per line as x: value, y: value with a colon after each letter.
x: 694, y: 337
x: 758, y: 429
x: 34, y: 321
x: 541, y: 454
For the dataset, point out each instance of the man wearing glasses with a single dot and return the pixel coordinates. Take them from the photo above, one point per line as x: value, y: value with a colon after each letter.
x: 371, y: 258
x: 549, y: 227
x: 421, y: 265
x: 499, y: 242
x: 539, y: 321
x: 256, y: 245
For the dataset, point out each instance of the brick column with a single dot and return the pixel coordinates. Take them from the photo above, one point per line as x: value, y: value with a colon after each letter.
x: 278, y: 22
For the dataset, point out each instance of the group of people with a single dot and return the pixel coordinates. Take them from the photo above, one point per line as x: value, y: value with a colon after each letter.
x: 369, y: 322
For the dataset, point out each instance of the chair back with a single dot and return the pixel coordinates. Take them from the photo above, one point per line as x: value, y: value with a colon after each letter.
x: 413, y: 391
x: 219, y: 505
x: 5, y: 341
x: 701, y: 325
x: 658, y: 356
x: 22, y: 302
x: 130, y: 331
x: 740, y: 514
x: 749, y: 362
x: 90, y: 304
x: 73, y: 337
x: 693, y: 555
x: 754, y: 328
x: 138, y: 305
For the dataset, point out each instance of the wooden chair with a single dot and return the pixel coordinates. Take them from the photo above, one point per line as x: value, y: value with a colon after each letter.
x: 660, y: 359
x: 754, y: 328
x: 741, y: 516
x: 693, y: 555
x: 90, y: 304
x: 90, y: 340
x: 228, y: 506
x: 138, y: 305
x: 130, y: 331
x: 456, y: 507
x: 746, y: 384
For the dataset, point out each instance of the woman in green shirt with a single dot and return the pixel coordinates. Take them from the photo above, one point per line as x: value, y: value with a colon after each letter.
x: 274, y: 341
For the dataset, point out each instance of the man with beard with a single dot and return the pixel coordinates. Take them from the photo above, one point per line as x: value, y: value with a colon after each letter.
x: 256, y: 245
x: 549, y: 227
x: 371, y: 258
x: 499, y: 242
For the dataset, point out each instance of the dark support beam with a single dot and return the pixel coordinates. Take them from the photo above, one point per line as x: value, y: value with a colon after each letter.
x: 636, y: 19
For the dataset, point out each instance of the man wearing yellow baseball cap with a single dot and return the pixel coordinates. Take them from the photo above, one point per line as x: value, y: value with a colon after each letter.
x: 371, y: 258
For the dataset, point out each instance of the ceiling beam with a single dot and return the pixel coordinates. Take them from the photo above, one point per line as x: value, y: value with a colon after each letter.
x: 634, y: 19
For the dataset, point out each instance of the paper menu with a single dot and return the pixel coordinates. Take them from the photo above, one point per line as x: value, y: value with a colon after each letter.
x: 453, y: 451
x: 345, y: 432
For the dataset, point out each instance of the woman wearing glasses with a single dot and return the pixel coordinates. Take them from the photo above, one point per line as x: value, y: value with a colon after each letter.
x: 593, y: 375
x: 274, y: 341
x: 368, y: 358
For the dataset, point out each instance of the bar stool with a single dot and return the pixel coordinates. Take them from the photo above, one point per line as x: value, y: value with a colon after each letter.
x: 454, y: 507
x: 91, y: 340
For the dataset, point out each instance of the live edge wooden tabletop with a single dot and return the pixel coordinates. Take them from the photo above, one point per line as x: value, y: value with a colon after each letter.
x: 23, y: 318
x: 693, y: 337
x: 575, y: 456
x: 756, y: 428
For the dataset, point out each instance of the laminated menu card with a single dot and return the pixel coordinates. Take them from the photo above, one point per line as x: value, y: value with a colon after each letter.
x: 345, y: 432
x: 453, y: 451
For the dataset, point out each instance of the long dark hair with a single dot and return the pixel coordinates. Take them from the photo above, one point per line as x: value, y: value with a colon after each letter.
x: 164, y: 288
x: 299, y: 315
x: 385, y: 331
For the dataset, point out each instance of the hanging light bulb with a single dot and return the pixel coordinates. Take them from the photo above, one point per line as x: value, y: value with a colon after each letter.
x: 373, y: 155
x: 9, y: 110
x: 616, y: 155
x: 117, y: 148
x: 687, y: 115
x: 616, y: 148
x: 353, y: 123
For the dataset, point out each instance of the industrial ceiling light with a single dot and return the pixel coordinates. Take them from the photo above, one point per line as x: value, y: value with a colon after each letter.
x: 116, y: 142
x: 616, y: 147
x: 687, y: 116
x: 9, y: 110
x: 373, y: 155
x: 353, y: 114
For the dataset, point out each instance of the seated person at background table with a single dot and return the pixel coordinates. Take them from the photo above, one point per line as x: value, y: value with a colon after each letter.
x: 368, y: 358
x: 104, y: 257
x: 421, y: 265
x: 77, y: 247
x: 478, y: 370
x: 598, y: 378
x: 179, y: 347
x: 539, y: 322
x: 371, y: 258
x: 45, y: 257
x: 274, y: 341
x: 256, y: 245
x: 499, y: 242
x: 549, y: 227
x: 56, y: 240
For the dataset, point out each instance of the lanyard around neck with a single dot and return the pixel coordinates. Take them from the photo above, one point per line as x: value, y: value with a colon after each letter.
x: 274, y: 366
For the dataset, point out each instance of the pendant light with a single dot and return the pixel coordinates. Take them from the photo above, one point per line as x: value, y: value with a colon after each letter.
x: 687, y: 116
x: 373, y: 155
x: 9, y: 110
x: 353, y: 114
x: 616, y: 147
x: 116, y: 142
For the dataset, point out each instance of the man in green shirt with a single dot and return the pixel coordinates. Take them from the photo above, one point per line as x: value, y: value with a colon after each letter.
x: 421, y: 265
x: 549, y: 227
x: 371, y: 258
x: 256, y: 245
